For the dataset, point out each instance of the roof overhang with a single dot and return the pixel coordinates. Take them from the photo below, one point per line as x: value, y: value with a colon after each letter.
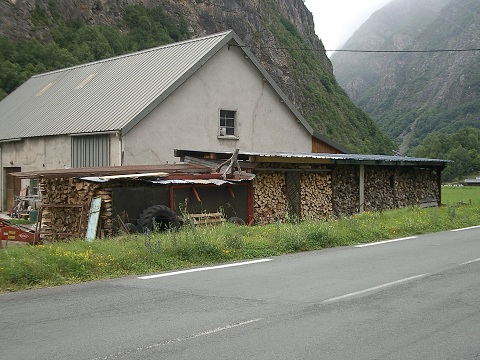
x: 317, y: 158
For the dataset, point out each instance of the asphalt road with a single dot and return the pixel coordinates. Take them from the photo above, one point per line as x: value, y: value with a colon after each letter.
x: 416, y: 298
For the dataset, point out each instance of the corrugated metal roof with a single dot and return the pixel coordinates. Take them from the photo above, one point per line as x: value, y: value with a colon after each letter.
x: 103, y: 96
x: 329, y: 158
x: 217, y: 182
x: 115, y: 170
x: 354, y: 157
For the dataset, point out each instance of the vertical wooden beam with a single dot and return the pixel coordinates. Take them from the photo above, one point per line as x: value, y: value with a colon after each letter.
x: 439, y: 184
x: 362, y: 188
x: 250, y: 205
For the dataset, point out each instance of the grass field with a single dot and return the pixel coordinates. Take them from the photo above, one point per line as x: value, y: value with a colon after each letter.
x: 76, y: 261
x: 461, y: 194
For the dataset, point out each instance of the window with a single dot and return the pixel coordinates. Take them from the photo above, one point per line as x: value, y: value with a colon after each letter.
x: 90, y: 151
x: 227, y: 122
x: 34, y: 187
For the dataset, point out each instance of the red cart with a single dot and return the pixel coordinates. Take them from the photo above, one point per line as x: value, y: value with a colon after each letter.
x: 21, y: 233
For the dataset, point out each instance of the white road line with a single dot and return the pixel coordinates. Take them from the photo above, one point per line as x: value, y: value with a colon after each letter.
x: 203, y: 269
x: 467, y: 228
x: 385, y: 242
x: 177, y: 340
x: 343, y: 297
x: 470, y: 262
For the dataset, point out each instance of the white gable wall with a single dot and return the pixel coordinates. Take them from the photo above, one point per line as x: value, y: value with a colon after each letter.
x: 189, y: 118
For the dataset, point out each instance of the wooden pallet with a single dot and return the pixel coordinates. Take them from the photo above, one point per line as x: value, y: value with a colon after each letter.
x: 207, y: 219
x: 428, y: 202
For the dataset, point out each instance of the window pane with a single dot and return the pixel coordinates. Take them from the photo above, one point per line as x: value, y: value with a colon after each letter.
x: 227, y: 122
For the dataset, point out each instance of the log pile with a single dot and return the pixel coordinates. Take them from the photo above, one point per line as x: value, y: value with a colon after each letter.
x: 385, y: 188
x: 413, y: 185
x: 380, y: 190
x: 65, y: 208
x: 316, y: 196
x: 269, y: 197
x: 345, y: 180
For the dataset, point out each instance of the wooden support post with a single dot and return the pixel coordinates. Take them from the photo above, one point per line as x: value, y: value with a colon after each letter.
x: 196, y: 194
x: 232, y: 164
x: 232, y: 194
x: 362, y: 188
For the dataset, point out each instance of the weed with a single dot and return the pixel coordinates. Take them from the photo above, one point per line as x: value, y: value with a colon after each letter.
x: 63, y: 263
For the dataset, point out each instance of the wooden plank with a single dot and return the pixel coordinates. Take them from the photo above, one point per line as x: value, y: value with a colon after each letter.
x: 93, y: 217
x: 207, y: 218
x: 428, y: 202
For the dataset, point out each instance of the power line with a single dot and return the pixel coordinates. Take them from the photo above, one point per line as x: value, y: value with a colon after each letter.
x: 404, y: 51
x: 360, y: 51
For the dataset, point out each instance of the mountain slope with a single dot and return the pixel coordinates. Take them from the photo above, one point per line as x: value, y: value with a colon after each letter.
x: 280, y: 33
x: 411, y: 95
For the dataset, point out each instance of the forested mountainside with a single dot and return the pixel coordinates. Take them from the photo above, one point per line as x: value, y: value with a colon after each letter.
x: 412, y: 95
x: 41, y: 35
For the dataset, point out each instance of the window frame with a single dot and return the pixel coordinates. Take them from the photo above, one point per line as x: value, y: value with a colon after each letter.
x: 225, y: 118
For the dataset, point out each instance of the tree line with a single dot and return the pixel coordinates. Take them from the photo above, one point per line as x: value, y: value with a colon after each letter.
x: 462, y: 147
x: 76, y: 43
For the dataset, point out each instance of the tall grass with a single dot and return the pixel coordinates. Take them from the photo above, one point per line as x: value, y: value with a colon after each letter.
x: 53, y: 264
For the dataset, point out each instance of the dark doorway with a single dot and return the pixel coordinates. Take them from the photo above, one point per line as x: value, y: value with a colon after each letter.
x: 294, y: 194
x: 13, y: 186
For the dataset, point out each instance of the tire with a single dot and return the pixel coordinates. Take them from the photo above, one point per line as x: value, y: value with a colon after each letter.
x: 129, y: 228
x: 236, y: 220
x: 158, y: 217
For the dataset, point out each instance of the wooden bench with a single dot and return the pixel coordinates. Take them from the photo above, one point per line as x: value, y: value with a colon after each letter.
x: 428, y: 202
x: 207, y: 219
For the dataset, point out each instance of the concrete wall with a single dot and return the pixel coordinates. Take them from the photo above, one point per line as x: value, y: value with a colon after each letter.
x: 189, y: 118
x: 42, y: 153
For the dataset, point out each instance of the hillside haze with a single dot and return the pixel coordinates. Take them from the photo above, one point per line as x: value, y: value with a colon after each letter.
x: 412, y: 95
x: 280, y: 33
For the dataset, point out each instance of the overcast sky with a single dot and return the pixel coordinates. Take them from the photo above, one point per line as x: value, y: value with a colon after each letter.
x: 337, y: 20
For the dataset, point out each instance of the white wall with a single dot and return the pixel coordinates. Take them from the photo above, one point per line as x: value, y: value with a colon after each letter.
x: 43, y: 153
x: 189, y: 118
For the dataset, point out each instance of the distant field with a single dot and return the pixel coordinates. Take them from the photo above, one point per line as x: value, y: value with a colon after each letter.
x: 466, y: 194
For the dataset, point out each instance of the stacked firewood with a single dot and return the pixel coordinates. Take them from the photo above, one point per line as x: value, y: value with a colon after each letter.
x: 316, y: 196
x: 413, y: 186
x: 345, y: 180
x: 380, y: 191
x: 106, y: 212
x: 270, y: 202
x: 384, y: 188
x: 65, y: 208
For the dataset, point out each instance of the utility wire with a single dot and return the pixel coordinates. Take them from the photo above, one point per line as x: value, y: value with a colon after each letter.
x: 404, y: 51
x: 359, y: 51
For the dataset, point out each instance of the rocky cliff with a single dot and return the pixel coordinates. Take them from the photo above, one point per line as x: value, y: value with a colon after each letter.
x: 412, y: 95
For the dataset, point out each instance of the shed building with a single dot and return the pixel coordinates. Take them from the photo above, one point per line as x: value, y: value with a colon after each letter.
x: 268, y: 188
x: 321, y: 186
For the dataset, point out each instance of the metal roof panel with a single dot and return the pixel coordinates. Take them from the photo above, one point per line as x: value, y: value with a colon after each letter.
x: 104, y: 95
